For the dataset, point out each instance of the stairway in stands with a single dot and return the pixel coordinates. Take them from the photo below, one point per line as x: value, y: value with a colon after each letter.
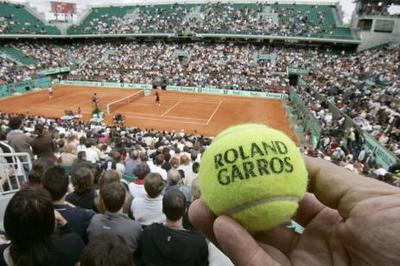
x: 16, y: 55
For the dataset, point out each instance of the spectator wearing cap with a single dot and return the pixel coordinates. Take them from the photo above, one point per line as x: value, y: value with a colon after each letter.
x: 147, y: 210
x: 114, y: 221
x: 170, y: 243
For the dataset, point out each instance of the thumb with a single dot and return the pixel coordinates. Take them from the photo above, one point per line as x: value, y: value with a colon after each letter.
x: 239, y: 245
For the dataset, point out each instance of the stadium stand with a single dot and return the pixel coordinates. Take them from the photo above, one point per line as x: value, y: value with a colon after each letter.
x: 340, y: 101
x: 16, y: 55
x: 98, y: 19
x: 217, y: 18
x: 330, y: 76
x: 15, y: 19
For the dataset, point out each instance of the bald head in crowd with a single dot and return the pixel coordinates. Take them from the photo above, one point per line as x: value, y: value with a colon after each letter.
x: 173, y: 177
x: 134, y: 154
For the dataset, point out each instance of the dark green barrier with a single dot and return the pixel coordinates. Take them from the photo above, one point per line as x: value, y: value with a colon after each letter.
x: 24, y: 86
x: 310, y: 123
x: 383, y: 156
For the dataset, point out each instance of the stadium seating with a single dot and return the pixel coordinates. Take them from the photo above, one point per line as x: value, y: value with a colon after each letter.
x: 220, y: 18
x: 15, y: 19
x: 16, y: 55
x: 96, y: 16
x: 217, y: 18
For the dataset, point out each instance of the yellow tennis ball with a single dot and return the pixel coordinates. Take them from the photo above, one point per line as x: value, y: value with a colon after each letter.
x: 255, y: 174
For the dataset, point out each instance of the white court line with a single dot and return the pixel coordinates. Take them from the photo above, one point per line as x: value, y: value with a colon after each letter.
x: 58, y: 99
x: 141, y: 117
x: 55, y: 109
x: 164, y: 120
x: 170, y: 109
x: 136, y: 103
x: 71, y: 107
x: 215, y: 111
x: 141, y: 114
x: 189, y: 101
x: 168, y: 116
x: 185, y: 117
x: 80, y: 103
x: 46, y: 108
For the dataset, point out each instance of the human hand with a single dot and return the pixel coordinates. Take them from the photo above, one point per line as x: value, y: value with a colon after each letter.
x: 60, y: 220
x: 348, y: 220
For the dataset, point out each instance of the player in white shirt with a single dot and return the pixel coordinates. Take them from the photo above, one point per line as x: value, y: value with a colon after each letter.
x: 50, y: 90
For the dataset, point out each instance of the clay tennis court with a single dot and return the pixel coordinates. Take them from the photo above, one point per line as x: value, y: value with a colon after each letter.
x: 205, y: 113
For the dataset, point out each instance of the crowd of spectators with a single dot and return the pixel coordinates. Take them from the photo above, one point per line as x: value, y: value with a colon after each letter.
x: 339, y: 143
x: 17, y: 19
x: 125, y: 190
x: 366, y: 90
x: 374, y: 106
x: 256, y: 18
x: 47, y: 56
x: 283, y: 21
x: 11, y: 72
x: 11, y: 25
x: 363, y: 85
x: 224, y: 66
x: 135, y: 184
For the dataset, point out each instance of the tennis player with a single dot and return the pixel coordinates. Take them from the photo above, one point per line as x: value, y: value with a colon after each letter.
x: 95, y: 100
x: 157, y: 102
x: 79, y: 113
x: 50, y: 90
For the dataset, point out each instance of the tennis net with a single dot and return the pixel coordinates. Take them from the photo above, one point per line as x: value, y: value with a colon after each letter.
x: 111, y: 107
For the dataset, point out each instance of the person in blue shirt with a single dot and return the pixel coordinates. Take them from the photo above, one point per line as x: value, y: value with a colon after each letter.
x: 55, y: 181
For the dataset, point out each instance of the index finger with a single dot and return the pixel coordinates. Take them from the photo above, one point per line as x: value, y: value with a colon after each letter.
x: 340, y: 189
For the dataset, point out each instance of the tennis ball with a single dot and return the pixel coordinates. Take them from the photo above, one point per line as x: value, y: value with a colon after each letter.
x: 237, y: 128
x: 255, y: 174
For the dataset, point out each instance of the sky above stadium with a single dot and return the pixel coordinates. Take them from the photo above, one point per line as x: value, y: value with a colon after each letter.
x: 44, y: 5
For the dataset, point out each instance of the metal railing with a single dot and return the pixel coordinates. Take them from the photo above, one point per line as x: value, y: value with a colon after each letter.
x: 14, y: 169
